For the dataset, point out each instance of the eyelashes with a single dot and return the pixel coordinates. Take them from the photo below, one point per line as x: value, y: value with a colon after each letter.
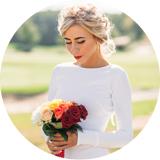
x: 79, y: 42
x: 67, y: 42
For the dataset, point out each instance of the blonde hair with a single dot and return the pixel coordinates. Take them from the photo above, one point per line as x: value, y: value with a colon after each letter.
x: 88, y: 17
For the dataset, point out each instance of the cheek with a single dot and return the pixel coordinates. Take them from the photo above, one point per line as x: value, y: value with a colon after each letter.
x: 68, y: 48
x: 89, y: 48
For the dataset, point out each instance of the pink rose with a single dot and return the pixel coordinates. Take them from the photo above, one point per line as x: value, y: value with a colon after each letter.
x: 46, y: 115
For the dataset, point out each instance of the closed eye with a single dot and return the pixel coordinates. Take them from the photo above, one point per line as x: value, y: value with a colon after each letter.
x: 68, y: 42
x: 80, y: 42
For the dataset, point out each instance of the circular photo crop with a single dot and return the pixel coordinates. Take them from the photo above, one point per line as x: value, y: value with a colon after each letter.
x: 79, y: 82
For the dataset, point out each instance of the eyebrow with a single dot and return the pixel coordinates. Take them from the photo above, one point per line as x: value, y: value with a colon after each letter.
x: 74, y: 38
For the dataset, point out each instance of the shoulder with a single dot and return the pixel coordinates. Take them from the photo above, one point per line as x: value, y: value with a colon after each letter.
x: 118, y: 71
x: 62, y: 67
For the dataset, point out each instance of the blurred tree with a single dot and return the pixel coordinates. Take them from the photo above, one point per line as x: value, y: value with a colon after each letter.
x: 27, y: 36
x: 125, y: 30
x: 41, y: 29
x: 125, y: 26
x: 47, y: 24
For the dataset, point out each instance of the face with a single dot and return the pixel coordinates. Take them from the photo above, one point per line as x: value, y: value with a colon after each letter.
x: 81, y: 44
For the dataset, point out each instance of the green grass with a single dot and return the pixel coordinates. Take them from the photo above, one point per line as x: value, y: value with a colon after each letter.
x: 29, y: 131
x: 139, y: 109
x: 30, y: 73
x: 143, y: 71
x: 142, y: 108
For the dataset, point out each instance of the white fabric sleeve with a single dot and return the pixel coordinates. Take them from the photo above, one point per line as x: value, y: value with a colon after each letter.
x: 121, y: 97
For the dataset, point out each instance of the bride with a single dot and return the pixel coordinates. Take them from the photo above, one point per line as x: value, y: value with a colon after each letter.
x: 92, y: 81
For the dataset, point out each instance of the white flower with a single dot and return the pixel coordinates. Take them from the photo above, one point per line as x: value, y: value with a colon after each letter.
x: 36, y: 116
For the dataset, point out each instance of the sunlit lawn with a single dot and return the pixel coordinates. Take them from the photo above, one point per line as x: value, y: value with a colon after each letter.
x: 31, y: 132
x: 143, y: 70
x: 27, y: 73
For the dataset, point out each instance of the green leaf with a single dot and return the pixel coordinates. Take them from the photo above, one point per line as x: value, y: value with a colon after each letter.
x: 79, y: 127
x: 49, y: 130
x: 64, y: 135
x: 57, y: 125
x: 53, y: 118
x: 75, y: 127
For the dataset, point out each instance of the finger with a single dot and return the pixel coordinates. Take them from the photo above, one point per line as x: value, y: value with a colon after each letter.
x: 69, y: 133
x: 51, y: 147
x: 51, y: 142
x: 63, y: 147
x: 57, y: 135
x: 54, y: 146
x: 59, y: 143
x: 55, y: 152
x: 58, y: 139
x: 59, y: 148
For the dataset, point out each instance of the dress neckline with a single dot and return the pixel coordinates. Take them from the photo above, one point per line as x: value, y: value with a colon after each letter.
x: 98, y: 68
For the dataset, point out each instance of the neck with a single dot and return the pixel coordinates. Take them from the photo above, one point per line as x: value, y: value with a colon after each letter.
x: 96, y: 61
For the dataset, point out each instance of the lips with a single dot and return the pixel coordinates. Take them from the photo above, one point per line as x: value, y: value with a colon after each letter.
x: 77, y: 57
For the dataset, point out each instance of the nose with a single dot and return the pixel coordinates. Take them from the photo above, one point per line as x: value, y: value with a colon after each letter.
x: 75, y: 49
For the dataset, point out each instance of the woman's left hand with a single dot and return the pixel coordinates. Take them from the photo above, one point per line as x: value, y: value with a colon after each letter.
x: 58, y: 143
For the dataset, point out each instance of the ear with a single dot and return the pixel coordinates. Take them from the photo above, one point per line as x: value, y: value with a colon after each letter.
x: 100, y: 41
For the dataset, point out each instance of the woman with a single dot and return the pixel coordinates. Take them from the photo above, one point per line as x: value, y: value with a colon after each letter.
x: 92, y: 81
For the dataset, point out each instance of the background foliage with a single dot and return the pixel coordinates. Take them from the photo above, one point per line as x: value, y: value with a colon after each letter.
x: 41, y: 29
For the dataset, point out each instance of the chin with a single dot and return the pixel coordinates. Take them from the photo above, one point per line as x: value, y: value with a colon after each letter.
x: 82, y: 61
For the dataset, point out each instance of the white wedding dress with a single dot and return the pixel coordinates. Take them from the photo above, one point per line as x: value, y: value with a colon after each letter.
x: 103, y: 91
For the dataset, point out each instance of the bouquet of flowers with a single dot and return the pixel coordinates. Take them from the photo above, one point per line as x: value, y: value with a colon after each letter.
x: 59, y: 116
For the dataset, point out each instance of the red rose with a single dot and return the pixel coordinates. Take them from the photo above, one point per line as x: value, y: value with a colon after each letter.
x: 83, y: 112
x: 71, y: 117
x: 66, y: 121
x: 75, y: 113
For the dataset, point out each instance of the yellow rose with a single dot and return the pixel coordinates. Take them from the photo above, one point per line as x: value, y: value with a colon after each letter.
x: 54, y: 104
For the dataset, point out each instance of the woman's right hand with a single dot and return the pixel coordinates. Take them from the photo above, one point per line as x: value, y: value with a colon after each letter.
x: 55, y: 144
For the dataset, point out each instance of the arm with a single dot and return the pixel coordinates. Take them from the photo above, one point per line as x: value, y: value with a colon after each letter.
x: 121, y: 97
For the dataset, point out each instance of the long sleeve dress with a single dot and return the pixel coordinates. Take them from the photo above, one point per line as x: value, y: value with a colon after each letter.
x: 103, y: 91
